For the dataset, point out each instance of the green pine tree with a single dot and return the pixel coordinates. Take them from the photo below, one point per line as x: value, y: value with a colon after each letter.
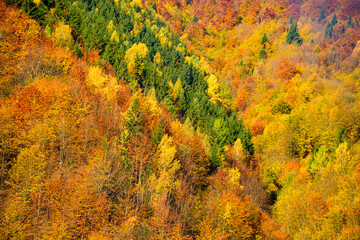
x: 322, y: 15
x: 291, y: 21
x: 349, y: 22
x: 264, y: 39
x: 294, y: 35
x: 334, y: 20
x: 329, y: 30
x: 262, y: 53
x: 195, y: 18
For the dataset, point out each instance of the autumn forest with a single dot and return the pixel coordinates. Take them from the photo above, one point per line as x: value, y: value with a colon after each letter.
x: 180, y: 119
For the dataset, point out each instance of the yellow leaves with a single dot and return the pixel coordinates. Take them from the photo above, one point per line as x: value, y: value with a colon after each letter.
x: 166, y: 162
x: 136, y: 51
x: 166, y: 165
x: 37, y: 2
x: 157, y: 58
x: 28, y: 170
x: 177, y: 88
x: 163, y: 36
x: 110, y: 26
x: 62, y: 33
x: 343, y: 158
x: 200, y: 64
x: 98, y: 82
x: 153, y: 104
x: 213, y: 90
x: 235, y: 175
x: 136, y: 3
x: 114, y: 37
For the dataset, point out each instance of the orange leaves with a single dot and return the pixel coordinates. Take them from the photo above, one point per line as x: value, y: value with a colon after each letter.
x: 258, y: 127
x: 287, y: 69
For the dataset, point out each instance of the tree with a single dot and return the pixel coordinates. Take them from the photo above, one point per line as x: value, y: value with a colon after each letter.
x: 322, y: 16
x: 195, y: 18
x: 291, y: 21
x: 262, y: 53
x: 329, y: 31
x: 349, y: 22
x: 213, y: 89
x: 334, y: 20
x: 294, y: 35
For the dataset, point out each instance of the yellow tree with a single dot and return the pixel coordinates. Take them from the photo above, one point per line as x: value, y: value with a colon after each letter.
x: 136, y: 51
x: 213, y: 90
x: 162, y: 182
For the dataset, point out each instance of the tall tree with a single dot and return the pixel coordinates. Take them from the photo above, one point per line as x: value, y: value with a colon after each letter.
x: 294, y: 35
x: 322, y: 16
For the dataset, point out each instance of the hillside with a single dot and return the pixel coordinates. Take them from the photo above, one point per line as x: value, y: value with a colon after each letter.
x: 209, y: 119
x: 85, y: 156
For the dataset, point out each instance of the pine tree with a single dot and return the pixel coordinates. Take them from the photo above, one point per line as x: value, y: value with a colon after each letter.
x: 294, y: 35
x: 29, y: 7
x: 334, y: 20
x: 262, y: 53
x: 264, y: 39
x: 322, y: 15
x: 349, y: 22
x: 195, y: 18
x: 291, y: 21
x: 329, y: 30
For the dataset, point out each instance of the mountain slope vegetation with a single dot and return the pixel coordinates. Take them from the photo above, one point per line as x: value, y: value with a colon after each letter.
x: 202, y: 119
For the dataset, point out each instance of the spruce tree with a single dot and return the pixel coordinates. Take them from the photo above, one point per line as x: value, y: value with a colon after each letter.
x: 349, y: 22
x: 322, y: 15
x: 195, y: 18
x: 262, y: 53
x: 334, y: 20
x: 291, y: 21
x: 329, y: 30
x: 264, y: 39
x: 294, y: 35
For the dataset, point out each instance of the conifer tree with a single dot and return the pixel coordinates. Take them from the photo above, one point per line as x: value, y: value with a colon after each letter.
x: 349, y: 22
x: 294, y: 35
x: 195, y: 18
x: 322, y: 15
x: 262, y: 53
x: 329, y: 30
x: 291, y: 21
x: 334, y: 20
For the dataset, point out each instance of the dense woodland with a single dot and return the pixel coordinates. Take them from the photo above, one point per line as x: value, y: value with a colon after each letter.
x: 197, y: 119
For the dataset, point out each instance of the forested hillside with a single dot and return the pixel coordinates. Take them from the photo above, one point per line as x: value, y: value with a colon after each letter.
x: 209, y: 119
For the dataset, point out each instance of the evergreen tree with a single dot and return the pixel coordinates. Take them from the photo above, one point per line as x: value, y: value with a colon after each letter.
x: 262, y: 53
x: 329, y: 30
x: 349, y: 22
x: 195, y: 18
x: 29, y: 7
x: 291, y: 21
x: 334, y: 20
x: 322, y: 15
x: 294, y: 35
x: 264, y: 39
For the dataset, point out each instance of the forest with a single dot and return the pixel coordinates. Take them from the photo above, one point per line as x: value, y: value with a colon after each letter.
x: 180, y: 119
